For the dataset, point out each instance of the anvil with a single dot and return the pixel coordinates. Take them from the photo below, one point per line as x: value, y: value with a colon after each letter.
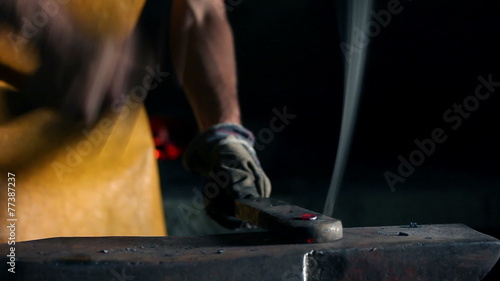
x: 409, y: 252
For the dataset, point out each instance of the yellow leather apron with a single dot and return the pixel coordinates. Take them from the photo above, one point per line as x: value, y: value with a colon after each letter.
x: 72, y: 181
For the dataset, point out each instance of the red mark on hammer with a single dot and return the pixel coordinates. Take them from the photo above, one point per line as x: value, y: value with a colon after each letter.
x: 308, y: 217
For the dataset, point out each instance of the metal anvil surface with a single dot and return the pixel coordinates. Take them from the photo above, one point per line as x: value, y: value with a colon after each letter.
x: 428, y: 252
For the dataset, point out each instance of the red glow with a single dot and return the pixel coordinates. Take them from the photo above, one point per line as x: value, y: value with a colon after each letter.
x: 166, y: 147
x: 310, y: 240
x: 308, y: 217
x: 172, y: 151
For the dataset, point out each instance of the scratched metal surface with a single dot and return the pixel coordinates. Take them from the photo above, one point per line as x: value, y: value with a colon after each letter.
x: 429, y: 252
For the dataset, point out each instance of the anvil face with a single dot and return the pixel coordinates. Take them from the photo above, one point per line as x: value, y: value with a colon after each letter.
x: 428, y: 252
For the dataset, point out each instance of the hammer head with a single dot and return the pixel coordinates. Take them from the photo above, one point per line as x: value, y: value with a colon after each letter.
x: 299, y: 224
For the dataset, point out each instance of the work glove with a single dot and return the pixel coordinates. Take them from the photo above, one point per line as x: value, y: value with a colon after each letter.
x: 224, y: 155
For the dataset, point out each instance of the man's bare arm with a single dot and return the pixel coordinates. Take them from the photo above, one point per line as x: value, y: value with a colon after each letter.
x: 203, y: 57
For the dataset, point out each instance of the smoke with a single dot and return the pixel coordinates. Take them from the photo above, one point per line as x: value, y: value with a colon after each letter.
x: 353, y: 18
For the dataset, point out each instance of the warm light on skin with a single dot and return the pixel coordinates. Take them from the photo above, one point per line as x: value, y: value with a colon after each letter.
x: 204, y: 60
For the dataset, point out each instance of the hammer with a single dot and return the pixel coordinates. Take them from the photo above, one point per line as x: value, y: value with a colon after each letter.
x: 298, y: 224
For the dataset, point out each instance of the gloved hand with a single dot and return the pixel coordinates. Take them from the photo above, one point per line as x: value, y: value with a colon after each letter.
x: 224, y: 154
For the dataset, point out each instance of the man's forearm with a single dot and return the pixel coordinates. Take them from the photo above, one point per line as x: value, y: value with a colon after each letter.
x: 203, y: 57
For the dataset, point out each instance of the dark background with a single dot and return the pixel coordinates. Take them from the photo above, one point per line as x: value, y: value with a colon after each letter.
x: 427, y: 59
